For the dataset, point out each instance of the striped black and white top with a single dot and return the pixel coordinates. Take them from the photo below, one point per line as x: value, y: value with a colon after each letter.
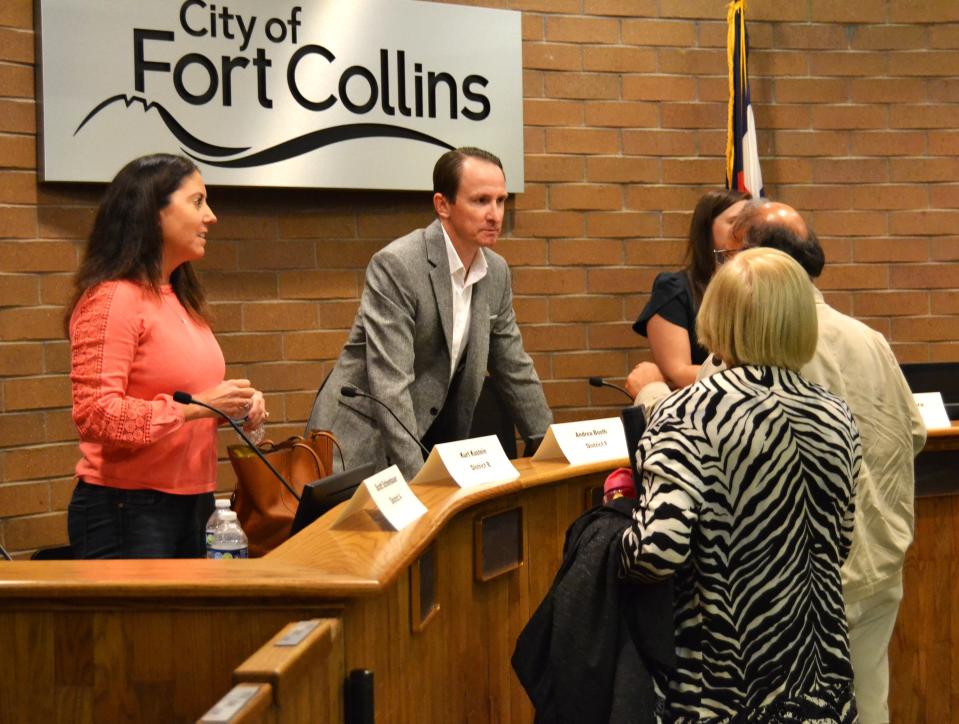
x: 748, y: 498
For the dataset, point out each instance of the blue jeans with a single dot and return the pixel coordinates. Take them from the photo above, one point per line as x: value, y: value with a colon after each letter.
x: 106, y: 522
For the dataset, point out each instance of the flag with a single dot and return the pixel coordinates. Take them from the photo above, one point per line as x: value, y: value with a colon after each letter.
x: 742, y: 155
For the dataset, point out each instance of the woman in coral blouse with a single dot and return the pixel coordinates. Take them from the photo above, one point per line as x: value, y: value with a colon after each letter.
x: 138, y: 332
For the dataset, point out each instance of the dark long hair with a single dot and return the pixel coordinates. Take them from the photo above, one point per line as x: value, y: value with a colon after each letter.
x: 700, y: 260
x: 126, y: 241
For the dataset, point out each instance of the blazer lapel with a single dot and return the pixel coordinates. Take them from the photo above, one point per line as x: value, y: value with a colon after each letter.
x: 440, y: 279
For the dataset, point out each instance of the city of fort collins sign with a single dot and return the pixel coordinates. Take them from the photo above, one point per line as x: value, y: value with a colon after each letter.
x: 361, y: 94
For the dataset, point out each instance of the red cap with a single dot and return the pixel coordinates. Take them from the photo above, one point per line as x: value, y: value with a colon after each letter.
x: 620, y: 480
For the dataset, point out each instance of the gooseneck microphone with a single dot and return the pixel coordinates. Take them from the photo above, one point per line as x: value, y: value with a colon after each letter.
x: 185, y: 398
x: 600, y: 382
x: 350, y: 391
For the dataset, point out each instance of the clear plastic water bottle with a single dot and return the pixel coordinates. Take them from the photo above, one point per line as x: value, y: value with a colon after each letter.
x: 222, y: 505
x: 229, y: 540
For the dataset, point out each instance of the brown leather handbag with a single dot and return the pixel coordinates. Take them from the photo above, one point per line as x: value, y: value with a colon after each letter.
x: 264, y: 507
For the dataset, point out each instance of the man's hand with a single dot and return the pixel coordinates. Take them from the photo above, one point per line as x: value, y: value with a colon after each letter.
x: 643, y: 374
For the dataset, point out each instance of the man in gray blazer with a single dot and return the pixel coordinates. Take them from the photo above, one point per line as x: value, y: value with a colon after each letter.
x: 436, y: 314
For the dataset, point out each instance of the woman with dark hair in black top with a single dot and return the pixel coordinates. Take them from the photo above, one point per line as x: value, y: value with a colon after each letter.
x: 669, y: 318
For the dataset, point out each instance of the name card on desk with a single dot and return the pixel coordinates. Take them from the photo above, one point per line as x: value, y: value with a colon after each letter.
x: 587, y: 441
x: 932, y: 409
x: 468, y: 462
x: 392, y: 496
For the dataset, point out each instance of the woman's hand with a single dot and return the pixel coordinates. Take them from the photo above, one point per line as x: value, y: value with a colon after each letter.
x: 232, y: 397
x: 257, y: 415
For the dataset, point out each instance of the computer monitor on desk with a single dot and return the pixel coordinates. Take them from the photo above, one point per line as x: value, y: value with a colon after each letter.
x: 322, y: 495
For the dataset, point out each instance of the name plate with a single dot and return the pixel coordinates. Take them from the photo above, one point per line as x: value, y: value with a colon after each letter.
x: 390, y: 494
x: 229, y: 706
x: 933, y: 410
x: 587, y: 441
x: 470, y: 462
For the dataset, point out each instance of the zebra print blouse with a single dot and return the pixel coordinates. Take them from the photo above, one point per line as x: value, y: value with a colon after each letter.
x: 748, y: 499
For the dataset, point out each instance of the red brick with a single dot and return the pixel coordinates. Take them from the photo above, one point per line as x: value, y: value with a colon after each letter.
x: 581, y: 365
x: 809, y: 143
x: 774, y: 11
x: 943, y: 302
x: 887, y: 90
x: 865, y: 11
x: 552, y: 56
x: 582, y: 30
x: 585, y: 197
x: 907, y: 353
x: 24, y: 499
x: 566, y: 394
x: 551, y: 337
x: 924, y: 223
x: 533, y: 27
x: 60, y: 427
x: 943, y: 196
x: 942, y: 36
x: 611, y: 336
x: 622, y: 114
x: 17, y: 152
x: 319, y: 284
x: 550, y: 281
x: 850, y: 170
x: 925, y: 329
x: 531, y: 310
x: 554, y: 168
x: 692, y: 61
x: 620, y: 280
x: 36, y: 531
x: 534, y: 84
x: 644, y: 197
x: 641, y: 252
x: 924, y: 63
x: 622, y: 224
x: 240, y: 348
x: 390, y: 223
x: 16, y: 81
x: 226, y: 317
x: 922, y: 169
x: 923, y: 116
x: 18, y: 289
x: 545, y: 112
x: 56, y: 289
x: 782, y: 116
x: 352, y: 254
x: 44, y: 461
x: 659, y: 32
x: 20, y: 359
x: 16, y: 45
x: 924, y: 276
x: 313, y: 345
x: 581, y: 85
x: 582, y: 140
x: 717, y: 89
x: 533, y: 197
x: 811, y: 90
x: 239, y: 285
x: 692, y: 115
x: 694, y: 170
x: 786, y: 171
x: 890, y: 250
x: 922, y: 11
x: 37, y: 256
x: 848, y: 117
x: 811, y: 198
x: 34, y: 393
x: 838, y: 251
x: 534, y: 140
x: 890, y: 304
x: 811, y: 37
x: 889, y: 197
x: 628, y: 8
x: 283, y: 376
x: 849, y: 63
x: 56, y: 357
x: 317, y: 226
x: 945, y: 352
x: 888, y: 37
x: 31, y: 323
x: 274, y: 316
x: 943, y: 143
x: 18, y: 116
x: 658, y: 143
x: 622, y: 169
x: 523, y: 252
x: 338, y: 315
x: 560, y: 6
x: 619, y: 59
x: 583, y: 252
x: 942, y: 90
x: 592, y: 308
x: 853, y: 276
x: 779, y: 63
x: 888, y: 143
x: 849, y: 223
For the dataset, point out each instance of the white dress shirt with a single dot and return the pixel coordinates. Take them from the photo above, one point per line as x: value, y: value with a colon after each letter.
x: 462, y: 288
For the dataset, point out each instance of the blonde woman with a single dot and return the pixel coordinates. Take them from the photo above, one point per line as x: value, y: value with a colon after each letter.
x: 747, y: 499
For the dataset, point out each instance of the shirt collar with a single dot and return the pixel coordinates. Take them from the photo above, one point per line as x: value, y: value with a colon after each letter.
x: 477, y: 269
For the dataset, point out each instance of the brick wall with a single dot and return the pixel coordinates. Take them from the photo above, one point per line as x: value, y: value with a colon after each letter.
x: 857, y: 106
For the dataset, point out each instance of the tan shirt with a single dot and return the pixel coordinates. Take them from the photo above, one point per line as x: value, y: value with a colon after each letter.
x: 856, y: 363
